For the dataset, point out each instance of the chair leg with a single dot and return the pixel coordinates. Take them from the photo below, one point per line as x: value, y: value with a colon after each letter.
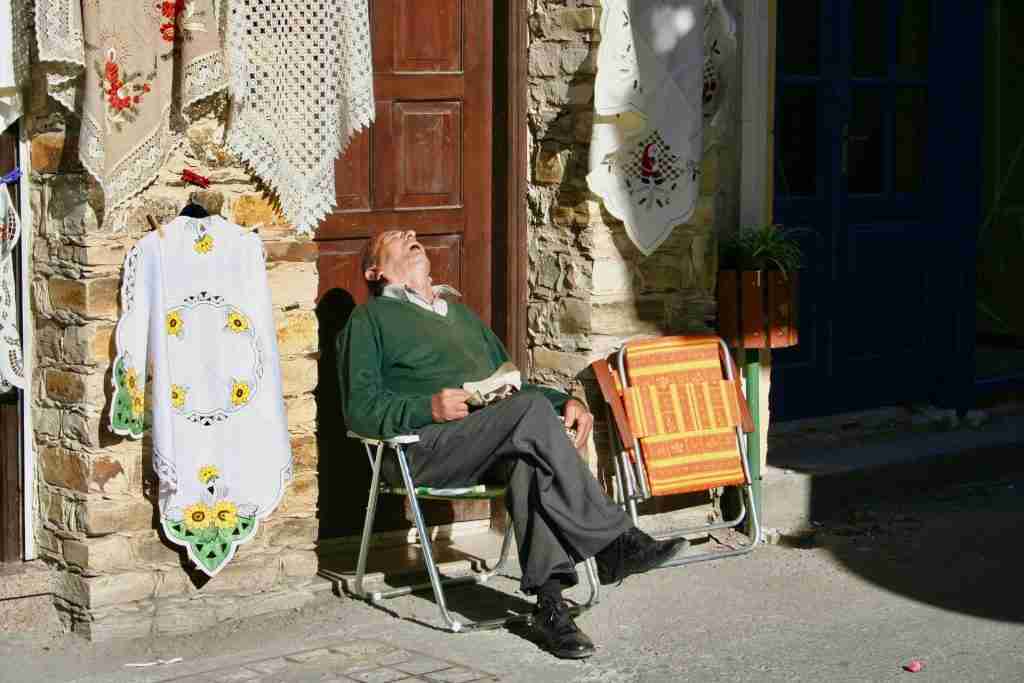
x: 632, y: 491
x: 506, y: 546
x: 453, y: 624
x: 371, y: 512
x: 590, y: 569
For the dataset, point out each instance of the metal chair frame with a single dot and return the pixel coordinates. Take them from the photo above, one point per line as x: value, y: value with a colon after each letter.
x: 633, y: 485
x: 375, y: 450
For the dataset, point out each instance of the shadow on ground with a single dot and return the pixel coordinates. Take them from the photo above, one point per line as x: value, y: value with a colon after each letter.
x: 920, y: 531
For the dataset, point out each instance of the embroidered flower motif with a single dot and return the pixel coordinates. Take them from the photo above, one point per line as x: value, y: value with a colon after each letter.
x: 198, y: 517
x: 175, y: 325
x: 131, y: 381
x: 203, y: 244
x: 138, y: 404
x: 239, y: 393
x: 208, y: 473
x: 178, y: 394
x: 122, y: 91
x: 225, y: 514
x: 237, y: 322
x: 177, y: 14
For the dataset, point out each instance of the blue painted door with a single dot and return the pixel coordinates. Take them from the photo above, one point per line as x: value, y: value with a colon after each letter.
x: 876, y: 143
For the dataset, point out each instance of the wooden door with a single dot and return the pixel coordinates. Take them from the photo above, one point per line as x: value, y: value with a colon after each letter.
x: 10, y: 413
x: 424, y: 165
x: 876, y: 145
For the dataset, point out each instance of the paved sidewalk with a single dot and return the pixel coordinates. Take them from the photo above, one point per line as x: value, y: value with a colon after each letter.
x: 930, y: 576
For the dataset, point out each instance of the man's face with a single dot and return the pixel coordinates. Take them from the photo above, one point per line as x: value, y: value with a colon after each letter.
x: 398, y: 257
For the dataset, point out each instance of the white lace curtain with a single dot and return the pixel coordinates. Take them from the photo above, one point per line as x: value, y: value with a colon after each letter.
x: 659, y: 90
x: 300, y: 77
x: 14, y: 30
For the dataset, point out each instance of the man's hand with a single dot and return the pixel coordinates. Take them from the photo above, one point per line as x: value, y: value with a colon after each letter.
x: 579, y: 418
x: 449, y: 404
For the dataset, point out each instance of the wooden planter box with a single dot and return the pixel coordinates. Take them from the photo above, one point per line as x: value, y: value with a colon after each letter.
x: 757, y: 308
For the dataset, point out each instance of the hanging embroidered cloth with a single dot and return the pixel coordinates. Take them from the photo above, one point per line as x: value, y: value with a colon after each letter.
x: 658, y: 81
x: 129, y: 69
x: 196, y: 304
x: 12, y: 368
x: 14, y: 29
x: 301, y: 86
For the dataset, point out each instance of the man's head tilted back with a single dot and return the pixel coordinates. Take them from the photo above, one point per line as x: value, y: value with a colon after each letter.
x: 395, y: 257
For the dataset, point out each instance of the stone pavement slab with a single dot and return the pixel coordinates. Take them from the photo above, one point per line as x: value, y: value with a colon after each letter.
x: 367, y: 661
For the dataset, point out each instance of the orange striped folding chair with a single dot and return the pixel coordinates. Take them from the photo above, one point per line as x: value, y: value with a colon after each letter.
x: 678, y: 419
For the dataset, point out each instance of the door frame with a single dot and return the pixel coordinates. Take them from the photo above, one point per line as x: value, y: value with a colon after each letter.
x: 509, y: 228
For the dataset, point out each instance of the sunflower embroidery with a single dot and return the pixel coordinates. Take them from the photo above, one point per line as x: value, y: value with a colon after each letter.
x: 239, y: 393
x: 208, y: 473
x: 198, y: 517
x: 175, y: 325
x: 178, y: 394
x: 138, y: 404
x: 225, y: 514
x: 131, y: 381
x: 237, y: 322
x: 203, y: 244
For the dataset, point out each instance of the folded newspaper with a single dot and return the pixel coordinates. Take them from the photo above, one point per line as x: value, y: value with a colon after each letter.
x: 503, y: 382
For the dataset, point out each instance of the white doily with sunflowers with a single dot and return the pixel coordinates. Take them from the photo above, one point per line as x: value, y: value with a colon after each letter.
x: 197, y: 361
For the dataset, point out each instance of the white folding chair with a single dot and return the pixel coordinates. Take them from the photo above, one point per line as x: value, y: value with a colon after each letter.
x: 375, y: 452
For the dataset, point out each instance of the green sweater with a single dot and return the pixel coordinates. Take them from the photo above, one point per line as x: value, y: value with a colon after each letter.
x: 394, y: 355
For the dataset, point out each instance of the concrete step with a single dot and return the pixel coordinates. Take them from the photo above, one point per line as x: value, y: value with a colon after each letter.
x: 809, y: 480
x: 26, y: 600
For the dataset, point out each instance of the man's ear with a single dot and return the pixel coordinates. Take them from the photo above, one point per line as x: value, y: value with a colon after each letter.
x: 372, y: 274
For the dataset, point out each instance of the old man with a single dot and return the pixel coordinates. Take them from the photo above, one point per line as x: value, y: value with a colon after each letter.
x: 402, y: 360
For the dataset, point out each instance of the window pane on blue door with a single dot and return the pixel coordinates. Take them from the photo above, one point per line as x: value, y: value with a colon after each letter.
x: 869, y: 33
x: 913, y: 36
x: 911, y: 130
x: 798, y: 48
x: 863, y: 148
x: 796, y: 140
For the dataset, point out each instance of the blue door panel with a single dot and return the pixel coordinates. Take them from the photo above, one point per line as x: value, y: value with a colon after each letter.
x: 884, y: 181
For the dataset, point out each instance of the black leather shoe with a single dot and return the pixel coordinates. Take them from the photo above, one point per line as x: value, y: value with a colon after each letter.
x: 634, y: 552
x: 558, y: 633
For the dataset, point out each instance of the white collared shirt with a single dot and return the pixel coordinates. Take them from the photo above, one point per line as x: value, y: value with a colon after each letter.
x: 439, y: 305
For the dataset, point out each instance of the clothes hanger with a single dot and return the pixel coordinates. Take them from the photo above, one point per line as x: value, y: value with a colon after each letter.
x: 193, y: 209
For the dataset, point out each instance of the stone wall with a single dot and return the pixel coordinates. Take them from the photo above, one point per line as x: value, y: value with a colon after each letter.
x: 590, y: 287
x: 96, y: 492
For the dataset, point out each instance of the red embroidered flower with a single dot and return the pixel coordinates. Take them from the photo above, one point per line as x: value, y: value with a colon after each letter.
x: 167, y: 32
x: 145, y: 87
x: 171, y: 8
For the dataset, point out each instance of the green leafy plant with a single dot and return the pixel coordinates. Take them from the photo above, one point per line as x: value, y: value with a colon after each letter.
x: 770, y: 247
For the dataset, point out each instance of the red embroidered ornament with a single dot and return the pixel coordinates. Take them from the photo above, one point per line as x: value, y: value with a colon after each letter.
x: 191, y: 177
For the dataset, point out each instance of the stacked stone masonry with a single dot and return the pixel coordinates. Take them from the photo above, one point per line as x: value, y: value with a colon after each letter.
x: 590, y: 288
x: 97, y: 520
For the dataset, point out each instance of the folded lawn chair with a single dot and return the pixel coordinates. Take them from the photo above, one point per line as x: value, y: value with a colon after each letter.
x: 678, y: 419
x: 376, y: 449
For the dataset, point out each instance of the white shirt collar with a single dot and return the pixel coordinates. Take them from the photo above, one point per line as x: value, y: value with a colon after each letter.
x: 405, y: 293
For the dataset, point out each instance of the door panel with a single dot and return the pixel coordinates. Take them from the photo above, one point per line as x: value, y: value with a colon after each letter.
x: 424, y: 165
x: 428, y: 154
x: 858, y: 165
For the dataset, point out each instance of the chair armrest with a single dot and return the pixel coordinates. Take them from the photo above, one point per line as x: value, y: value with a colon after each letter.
x: 400, y: 440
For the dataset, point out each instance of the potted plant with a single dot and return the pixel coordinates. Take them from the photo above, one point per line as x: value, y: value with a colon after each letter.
x: 757, y: 287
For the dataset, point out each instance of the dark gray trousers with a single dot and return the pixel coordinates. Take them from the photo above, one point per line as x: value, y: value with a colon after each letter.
x: 560, y: 513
